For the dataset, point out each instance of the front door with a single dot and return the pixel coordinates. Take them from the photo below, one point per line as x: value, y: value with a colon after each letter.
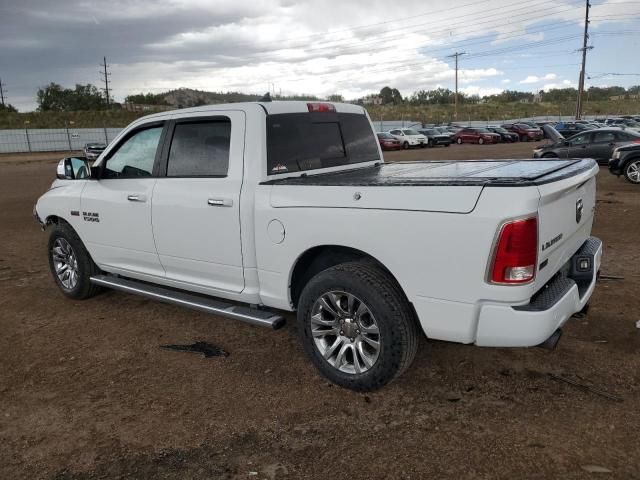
x: 578, y: 146
x: 196, y: 202
x: 116, y: 208
x: 602, y: 146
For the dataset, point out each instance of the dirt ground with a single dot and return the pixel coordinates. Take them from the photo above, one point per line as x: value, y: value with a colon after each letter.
x: 86, y: 392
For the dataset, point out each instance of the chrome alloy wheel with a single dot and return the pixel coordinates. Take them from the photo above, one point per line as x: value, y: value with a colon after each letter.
x: 65, y: 263
x: 633, y: 171
x: 345, y: 332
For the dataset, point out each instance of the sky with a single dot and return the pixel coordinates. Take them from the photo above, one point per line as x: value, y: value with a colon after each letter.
x: 314, y: 47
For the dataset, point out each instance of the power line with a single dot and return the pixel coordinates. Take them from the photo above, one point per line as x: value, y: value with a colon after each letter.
x: 584, y: 60
x: 105, y: 78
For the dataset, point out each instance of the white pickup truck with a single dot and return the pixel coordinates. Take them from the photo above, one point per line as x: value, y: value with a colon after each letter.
x: 248, y: 209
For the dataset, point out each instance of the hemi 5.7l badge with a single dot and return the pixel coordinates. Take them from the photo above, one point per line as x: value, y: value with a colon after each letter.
x: 91, y: 217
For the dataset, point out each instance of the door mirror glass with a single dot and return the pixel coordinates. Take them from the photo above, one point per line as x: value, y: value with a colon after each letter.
x: 73, y: 168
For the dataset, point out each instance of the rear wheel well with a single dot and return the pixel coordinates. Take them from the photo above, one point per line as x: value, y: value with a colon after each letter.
x: 317, y: 259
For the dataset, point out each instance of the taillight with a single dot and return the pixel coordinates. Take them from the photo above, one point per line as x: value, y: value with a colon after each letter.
x: 321, y: 107
x: 516, y: 252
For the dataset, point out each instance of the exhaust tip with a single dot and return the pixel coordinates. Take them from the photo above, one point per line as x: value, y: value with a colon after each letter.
x: 551, y: 342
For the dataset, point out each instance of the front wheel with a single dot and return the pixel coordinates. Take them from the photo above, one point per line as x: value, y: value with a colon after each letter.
x: 405, y: 145
x: 431, y: 144
x: 356, y: 326
x: 70, y: 263
x: 480, y: 141
x: 459, y: 140
x: 632, y: 171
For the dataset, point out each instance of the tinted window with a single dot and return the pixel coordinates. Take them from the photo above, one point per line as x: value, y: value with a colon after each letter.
x: 135, y: 157
x: 604, y: 137
x: 306, y: 141
x: 200, y: 149
x: 625, y: 136
x: 580, y: 139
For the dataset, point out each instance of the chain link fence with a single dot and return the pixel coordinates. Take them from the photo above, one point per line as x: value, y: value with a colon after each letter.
x: 53, y: 139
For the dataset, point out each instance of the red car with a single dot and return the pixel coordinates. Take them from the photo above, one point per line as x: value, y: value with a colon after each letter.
x: 525, y: 132
x: 475, y: 135
x: 388, y: 142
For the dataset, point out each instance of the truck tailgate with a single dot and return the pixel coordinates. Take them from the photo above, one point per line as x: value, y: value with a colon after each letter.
x: 565, y: 217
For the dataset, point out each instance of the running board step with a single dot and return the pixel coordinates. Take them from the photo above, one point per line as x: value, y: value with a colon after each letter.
x: 253, y: 316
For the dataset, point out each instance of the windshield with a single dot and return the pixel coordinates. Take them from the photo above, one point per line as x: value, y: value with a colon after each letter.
x: 523, y: 125
x: 429, y: 132
x: 308, y: 141
x: 499, y: 130
x: 632, y: 123
x: 410, y: 131
x: 385, y: 136
x: 482, y: 130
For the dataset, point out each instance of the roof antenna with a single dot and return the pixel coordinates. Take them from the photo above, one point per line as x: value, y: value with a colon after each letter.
x: 266, y: 97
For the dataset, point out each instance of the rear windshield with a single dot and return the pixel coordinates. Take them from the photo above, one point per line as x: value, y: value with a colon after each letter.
x: 307, y: 141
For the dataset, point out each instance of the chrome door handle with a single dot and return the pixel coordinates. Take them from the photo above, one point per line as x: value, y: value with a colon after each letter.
x: 136, y: 198
x: 220, y: 202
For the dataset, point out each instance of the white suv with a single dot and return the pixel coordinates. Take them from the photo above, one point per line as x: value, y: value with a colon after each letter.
x: 409, y: 137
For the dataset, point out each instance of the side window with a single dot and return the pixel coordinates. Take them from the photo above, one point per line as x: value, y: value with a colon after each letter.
x: 604, y: 137
x: 135, y: 157
x: 581, y: 139
x: 625, y: 137
x: 200, y: 149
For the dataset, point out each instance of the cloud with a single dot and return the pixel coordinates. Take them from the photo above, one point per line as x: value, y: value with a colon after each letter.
x: 505, y: 81
x: 230, y: 45
x: 535, y: 79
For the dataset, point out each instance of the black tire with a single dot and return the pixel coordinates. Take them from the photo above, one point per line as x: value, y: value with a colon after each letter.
x: 629, y: 172
x: 549, y: 155
x: 447, y: 144
x: 459, y: 140
x: 480, y: 141
x: 523, y: 138
x: 398, y: 330
x: 405, y: 145
x: 431, y: 144
x: 86, y: 268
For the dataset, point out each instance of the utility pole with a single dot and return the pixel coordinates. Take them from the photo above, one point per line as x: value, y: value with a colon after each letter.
x: 584, y: 61
x: 105, y: 78
x: 455, y: 101
x: 1, y: 93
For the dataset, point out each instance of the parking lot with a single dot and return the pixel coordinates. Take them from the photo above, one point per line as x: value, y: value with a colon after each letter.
x: 86, y: 392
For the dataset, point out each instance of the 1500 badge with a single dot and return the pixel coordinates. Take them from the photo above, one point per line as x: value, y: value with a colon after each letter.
x: 91, y: 217
x: 551, y: 242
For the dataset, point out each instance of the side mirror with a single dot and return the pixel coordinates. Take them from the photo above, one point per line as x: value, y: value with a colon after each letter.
x: 566, y: 143
x: 73, y: 168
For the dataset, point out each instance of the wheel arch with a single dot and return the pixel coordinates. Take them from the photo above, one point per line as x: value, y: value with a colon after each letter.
x: 318, y: 258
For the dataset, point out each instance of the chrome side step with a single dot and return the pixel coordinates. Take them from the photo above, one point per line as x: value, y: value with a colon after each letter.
x: 253, y: 316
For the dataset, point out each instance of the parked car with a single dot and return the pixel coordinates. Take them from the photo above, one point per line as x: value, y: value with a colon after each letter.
x: 476, y: 135
x: 409, y: 137
x: 505, y: 135
x: 625, y: 160
x: 388, y: 142
x: 597, y: 144
x: 247, y: 209
x: 567, y: 129
x: 525, y: 132
x: 435, y: 137
x: 446, y: 131
x: 623, y: 123
x: 93, y: 150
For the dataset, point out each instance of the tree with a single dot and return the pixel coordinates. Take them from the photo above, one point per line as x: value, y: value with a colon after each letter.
x: 146, y: 99
x: 54, y: 97
x: 335, y: 98
x: 8, y: 108
x: 386, y: 94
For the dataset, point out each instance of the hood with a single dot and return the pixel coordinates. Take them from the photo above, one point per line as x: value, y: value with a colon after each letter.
x: 629, y: 146
x: 552, y: 133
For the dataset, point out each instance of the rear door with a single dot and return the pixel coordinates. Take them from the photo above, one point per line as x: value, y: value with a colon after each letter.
x: 602, y: 146
x: 578, y: 146
x: 196, y: 201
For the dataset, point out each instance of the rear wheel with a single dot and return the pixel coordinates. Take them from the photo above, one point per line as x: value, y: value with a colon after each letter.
x: 431, y: 144
x: 481, y: 141
x: 523, y: 138
x: 356, y: 326
x: 70, y: 263
x: 550, y: 155
x: 459, y: 140
x: 405, y: 145
x: 632, y: 171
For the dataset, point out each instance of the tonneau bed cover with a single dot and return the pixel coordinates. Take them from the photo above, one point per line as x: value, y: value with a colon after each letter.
x: 440, y: 173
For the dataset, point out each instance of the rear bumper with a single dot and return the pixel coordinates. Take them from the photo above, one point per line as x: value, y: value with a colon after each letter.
x: 531, y: 324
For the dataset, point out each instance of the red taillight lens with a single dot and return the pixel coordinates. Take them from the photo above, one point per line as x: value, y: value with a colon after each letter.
x: 321, y: 107
x: 516, y: 253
